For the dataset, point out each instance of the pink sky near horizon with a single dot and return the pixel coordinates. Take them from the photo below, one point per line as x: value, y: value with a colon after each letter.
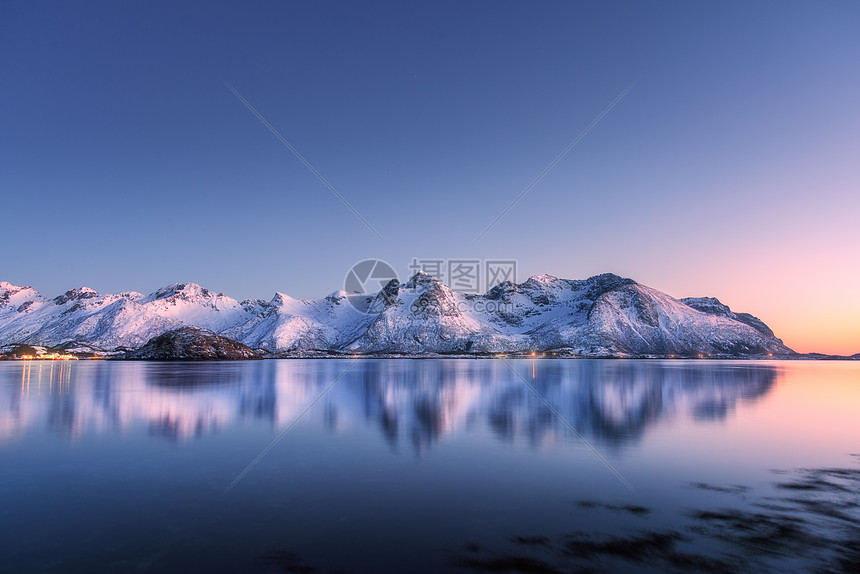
x: 779, y: 240
x: 812, y: 303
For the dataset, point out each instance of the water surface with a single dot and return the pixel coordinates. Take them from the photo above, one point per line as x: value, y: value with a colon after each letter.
x: 427, y: 465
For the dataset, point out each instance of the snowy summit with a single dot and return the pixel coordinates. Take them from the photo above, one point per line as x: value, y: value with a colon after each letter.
x: 605, y: 315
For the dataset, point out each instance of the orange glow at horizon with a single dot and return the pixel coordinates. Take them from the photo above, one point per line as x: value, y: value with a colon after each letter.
x: 824, y: 327
x: 823, y: 337
x: 809, y: 298
x: 783, y: 245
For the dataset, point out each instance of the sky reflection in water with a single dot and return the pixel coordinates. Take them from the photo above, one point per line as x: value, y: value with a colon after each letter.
x: 400, y: 466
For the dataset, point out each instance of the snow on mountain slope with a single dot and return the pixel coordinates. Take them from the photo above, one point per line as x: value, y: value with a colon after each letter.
x: 423, y: 315
x: 82, y: 315
x: 603, y: 315
x: 18, y: 299
x: 640, y: 320
x: 122, y: 320
x: 713, y: 306
x: 191, y: 304
x: 287, y: 324
x: 540, y: 302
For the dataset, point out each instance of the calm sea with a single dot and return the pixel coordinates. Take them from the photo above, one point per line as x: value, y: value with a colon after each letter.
x: 429, y: 466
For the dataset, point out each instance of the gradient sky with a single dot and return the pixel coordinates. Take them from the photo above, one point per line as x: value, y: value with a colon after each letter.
x: 731, y: 169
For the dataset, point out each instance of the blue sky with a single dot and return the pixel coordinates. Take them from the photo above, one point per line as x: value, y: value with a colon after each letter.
x: 730, y: 169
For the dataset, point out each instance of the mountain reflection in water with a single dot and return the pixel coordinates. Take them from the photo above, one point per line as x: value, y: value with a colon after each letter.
x: 413, y: 403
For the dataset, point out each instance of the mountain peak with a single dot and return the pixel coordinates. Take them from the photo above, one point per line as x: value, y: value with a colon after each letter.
x: 336, y: 296
x: 15, y: 295
x: 6, y: 286
x: 282, y: 299
x: 600, y: 316
x: 610, y: 278
x: 710, y: 305
x: 184, y: 290
x: 420, y: 278
x: 76, y: 295
x: 544, y: 278
x: 713, y: 306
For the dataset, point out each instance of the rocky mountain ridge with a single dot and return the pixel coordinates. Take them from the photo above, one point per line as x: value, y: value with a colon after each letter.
x: 604, y: 315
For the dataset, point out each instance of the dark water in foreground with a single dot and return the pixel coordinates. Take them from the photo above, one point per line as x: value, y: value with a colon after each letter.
x: 429, y: 465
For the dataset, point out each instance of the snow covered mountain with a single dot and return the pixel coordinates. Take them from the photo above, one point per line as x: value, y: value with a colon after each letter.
x: 605, y: 315
x: 122, y: 320
x: 285, y: 324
